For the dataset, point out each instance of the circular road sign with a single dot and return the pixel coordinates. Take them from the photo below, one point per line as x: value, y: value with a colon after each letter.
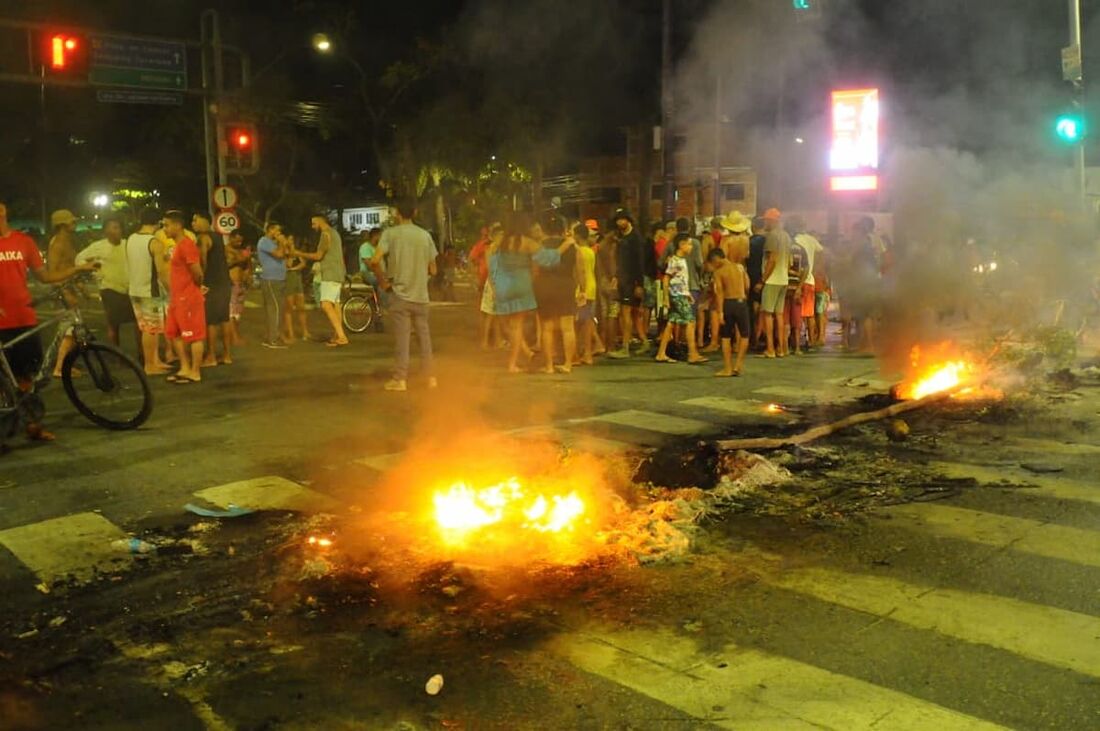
x: 225, y: 197
x: 226, y: 222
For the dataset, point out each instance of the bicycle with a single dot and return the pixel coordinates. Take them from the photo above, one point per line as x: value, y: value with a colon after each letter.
x: 108, y: 388
x: 361, y: 307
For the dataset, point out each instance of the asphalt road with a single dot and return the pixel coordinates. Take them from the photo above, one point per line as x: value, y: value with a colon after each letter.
x: 978, y: 611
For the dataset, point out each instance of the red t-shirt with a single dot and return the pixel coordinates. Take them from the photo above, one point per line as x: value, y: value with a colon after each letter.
x: 480, y: 256
x: 180, y: 283
x: 18, y: 253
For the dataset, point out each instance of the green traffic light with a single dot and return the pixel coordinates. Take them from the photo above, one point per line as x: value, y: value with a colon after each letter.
x: 801, y: 4
x: 1070, y: 127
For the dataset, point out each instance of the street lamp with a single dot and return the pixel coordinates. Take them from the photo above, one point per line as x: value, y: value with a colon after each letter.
x: 322, y: 42
x: 100, y: 200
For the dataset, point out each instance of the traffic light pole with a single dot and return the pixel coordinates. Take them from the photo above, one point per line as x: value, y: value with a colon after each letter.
x: 1079, y: 179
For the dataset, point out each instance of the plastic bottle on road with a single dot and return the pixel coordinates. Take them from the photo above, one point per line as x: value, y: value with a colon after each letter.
x: 133, y: 545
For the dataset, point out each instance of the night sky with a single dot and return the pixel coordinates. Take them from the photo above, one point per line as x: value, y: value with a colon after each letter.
x: 980, y: 75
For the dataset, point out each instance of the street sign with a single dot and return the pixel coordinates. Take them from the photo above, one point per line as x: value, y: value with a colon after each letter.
x: 141, y: 64
x: 137, y: 96
x: 225, y: 198
x: 226, y: 222
x: 1071, y: 63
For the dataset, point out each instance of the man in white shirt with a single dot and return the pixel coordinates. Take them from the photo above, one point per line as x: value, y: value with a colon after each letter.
x: 113, y: 277
x: 813, y: 249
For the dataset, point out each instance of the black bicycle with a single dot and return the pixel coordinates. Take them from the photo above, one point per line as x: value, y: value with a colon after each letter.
x: 361, y: 307
x: 104, y: 384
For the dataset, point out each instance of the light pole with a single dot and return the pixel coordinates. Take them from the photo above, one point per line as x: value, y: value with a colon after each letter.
x: 1079, y: 99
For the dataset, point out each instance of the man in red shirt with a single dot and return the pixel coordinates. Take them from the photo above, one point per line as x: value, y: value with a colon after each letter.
x: 18, y: 255
x: 185, y: 322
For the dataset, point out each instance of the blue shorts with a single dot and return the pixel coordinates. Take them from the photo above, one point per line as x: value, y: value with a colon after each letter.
x: 586, y: 312
x: 681, y: 310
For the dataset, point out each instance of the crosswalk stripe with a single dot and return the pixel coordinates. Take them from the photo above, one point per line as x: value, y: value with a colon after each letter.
x: 745, y: 689
x: 652, y: 421
x: 74, y: 545
x: 573, y: 440
x: 801, y: 393
x: 1048, y: 445
x: 267, y: 493
x: 1019, y: 534
x: 1049, y: 635
x: 1058, y: 487
x: 741, y: 407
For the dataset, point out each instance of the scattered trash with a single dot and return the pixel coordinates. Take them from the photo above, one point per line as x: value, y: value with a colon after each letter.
x: 897, y: 430
x: 58, y: 621
x: 43, y: 587
x: 434, y: 685
x: 316, y: 568
x: 34, y: 632
x: 133, y: 545
x: 231, y: 512
x: 176, y: 670
x: 452, y: 591
x: 1040, y: 468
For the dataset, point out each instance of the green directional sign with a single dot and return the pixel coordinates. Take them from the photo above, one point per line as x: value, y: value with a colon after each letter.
x: 137, y: 78
x: 137, y: 63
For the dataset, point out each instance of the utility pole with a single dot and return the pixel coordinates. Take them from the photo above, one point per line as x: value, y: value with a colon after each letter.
x: 666, y: 113
x: 717, y: 208
x: 1079, y: 101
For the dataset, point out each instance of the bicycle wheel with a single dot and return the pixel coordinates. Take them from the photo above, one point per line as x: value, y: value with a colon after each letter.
x: 112, y: 391
x: 357, y: 313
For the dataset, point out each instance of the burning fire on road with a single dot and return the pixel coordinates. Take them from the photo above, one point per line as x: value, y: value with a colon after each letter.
x: 944, y: 368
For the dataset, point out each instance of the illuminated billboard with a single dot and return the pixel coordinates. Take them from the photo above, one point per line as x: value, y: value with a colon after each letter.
x: 853, y: 155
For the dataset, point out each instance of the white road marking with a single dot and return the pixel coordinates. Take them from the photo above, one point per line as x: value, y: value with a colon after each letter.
x: 268, y: 493
x: 652, y: 421
x: 74, y: 545
x: 1019, y: 534
x: 1053, y: 486
x: 754, y: 690
x: 1049, y: 635
x: 742, y: 407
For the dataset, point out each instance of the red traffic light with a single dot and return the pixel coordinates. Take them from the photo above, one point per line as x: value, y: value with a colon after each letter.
x: 61, y: 50
x: 242, y: 140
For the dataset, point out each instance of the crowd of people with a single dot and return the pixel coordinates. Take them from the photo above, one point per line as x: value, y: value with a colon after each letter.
x: 575, y: 292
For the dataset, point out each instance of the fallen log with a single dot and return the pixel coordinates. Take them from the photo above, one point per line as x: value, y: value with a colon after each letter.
x: 849, y: 421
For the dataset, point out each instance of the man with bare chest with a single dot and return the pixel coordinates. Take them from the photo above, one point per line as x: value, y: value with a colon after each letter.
x: 731, y: 286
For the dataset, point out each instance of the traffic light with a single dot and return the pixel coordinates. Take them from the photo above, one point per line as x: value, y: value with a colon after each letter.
x: 802, y: 4
x: 1070, y: 127
x: 242, y: 148
x: 63, y: 53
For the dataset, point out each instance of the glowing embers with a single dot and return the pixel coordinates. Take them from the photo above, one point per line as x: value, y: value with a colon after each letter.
x: 508, y: 509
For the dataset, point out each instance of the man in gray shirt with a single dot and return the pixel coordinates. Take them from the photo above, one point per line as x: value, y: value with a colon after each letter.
x: 330, y: 252
x: 410, y: 257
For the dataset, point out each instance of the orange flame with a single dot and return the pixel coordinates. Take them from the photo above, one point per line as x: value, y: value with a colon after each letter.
x: 945, y: 368
x: 943, y: 377
x: 462, y: 511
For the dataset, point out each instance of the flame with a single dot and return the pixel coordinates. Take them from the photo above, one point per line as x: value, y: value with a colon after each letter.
x: 943, y: 377
x: 320, y: 542
x: 462, y: 511
x: 773, y: 408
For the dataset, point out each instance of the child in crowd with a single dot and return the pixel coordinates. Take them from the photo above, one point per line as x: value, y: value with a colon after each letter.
x: 681, y: 304
x: 731, y: 285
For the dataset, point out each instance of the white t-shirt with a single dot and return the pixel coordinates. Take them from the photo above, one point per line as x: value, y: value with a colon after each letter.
x: 778, y: 242
x: 811, y: 246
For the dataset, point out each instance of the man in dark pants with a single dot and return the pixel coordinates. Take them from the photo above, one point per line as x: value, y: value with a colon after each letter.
x: 630, y: 284
x: 273, y: 283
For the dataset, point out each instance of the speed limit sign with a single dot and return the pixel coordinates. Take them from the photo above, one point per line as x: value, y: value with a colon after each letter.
x: 226, y: 222
x: 225, y: 198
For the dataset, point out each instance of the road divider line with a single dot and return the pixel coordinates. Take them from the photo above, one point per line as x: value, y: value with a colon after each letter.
x: 652, y: 421
x: 748, y: 690
x: 76, y: 545
x: 1049, y: 635
x: 1001, y: 531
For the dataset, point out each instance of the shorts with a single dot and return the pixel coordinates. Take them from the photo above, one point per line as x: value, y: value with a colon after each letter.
x: 793, y: 302
x: 330, y: 291
x: 807, y: 300
x: 186, y: 319
x: 25, y: 357
x: 681, y: 310
x: 821, y: 302
x: 736, y: 316
x: 773, y: 297
x: 754, y: 293
x: 217, y: 305
x: 294, y: 284
x: 117, y: 307
x: 586, y: 313
x: 626, y: 295
x: 705, y: 300
x: 149, y: 314
x: 649, y: 301
x: 488, y: 301
x: 237, y: 294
